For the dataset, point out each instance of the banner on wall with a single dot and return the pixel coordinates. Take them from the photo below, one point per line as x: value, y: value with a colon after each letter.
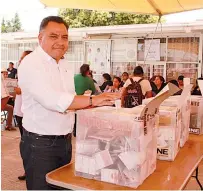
x: 152, y: 50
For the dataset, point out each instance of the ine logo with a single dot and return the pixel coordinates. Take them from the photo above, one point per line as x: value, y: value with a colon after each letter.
x: 195, y: 131
x: 162, y: 152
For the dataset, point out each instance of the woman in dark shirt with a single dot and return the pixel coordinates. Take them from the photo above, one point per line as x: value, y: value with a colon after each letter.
x: 107, y: 82
x: 197, y: 90
x: 159, y: 84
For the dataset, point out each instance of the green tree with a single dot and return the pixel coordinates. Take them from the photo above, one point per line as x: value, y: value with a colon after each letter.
x: 3, y: 26
x: 86, y: 18
x: 16, y: 24
x: 12, y: 25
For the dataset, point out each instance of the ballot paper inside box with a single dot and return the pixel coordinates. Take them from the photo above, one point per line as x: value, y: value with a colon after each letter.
x: 196, y: 115
x: 168, y: 133
x: 111, y: 146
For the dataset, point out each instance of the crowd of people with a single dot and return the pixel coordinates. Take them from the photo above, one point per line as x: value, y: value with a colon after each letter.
x: 150, y: 88
x: 48, y: 93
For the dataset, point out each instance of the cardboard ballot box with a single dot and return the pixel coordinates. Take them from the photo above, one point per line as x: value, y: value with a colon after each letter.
x: 185, y: 109
x: 118, y: 145
x: 168, y: 133
x: 174, y: 120
x: 196, y: 116
x: 182, y: 103
x: 112, y: 145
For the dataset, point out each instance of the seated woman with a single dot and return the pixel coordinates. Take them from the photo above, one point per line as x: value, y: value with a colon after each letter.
x: 116, y: 85
x: 107, y: 81
x: 83, y: 82
x: 159, y: 84
x: 197, y: 90
x: 125, y: 77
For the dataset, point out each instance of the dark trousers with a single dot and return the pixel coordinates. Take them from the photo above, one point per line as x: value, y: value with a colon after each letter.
x: 41, y: 155
x: 20, y: 124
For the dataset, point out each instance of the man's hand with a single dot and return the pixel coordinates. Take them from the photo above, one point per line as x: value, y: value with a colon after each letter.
x: 18, y: 91
x: 105, y: 99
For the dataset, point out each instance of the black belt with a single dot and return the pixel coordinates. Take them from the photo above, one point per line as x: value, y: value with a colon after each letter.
x: 68, y: 136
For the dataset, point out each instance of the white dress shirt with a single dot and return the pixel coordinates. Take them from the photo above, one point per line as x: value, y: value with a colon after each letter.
x: 17, y: 107
x: 47, y: 91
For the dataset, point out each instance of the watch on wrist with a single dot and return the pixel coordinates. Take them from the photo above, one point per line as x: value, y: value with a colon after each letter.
x: 90, y: 100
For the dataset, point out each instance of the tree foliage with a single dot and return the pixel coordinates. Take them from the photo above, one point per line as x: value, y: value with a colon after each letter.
x: 12, y: 25
x: 86, y: 18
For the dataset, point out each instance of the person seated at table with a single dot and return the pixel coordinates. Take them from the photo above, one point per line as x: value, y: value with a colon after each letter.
x: 180, y: 81
x: 125, y: 76
x: 83, y: 82
x: 5, y: 73
x: 116, y: 85
x: 159, y: 82
x: 9, y: 108
x: 107, y: 81
x: 176, y: 83
x: 196, y: 90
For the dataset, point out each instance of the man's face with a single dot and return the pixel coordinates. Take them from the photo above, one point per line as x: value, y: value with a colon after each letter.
x: 10, y: 65
x: 125, y: 77
x: 180, y: 82
x: 54, y: 40
x: 5, y: 74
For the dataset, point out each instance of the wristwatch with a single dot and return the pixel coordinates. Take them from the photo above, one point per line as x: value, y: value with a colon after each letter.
x: 90, y: 100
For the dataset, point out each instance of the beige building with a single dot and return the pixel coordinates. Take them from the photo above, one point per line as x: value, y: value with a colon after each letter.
x: 175, y: 50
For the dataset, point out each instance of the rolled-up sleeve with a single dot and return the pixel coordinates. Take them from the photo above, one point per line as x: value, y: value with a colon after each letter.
x: 33, y: 83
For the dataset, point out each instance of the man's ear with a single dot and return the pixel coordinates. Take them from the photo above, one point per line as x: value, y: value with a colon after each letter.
x: 40, y: 37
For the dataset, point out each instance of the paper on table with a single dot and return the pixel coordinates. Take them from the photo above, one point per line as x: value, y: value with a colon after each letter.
x: 200, y: 83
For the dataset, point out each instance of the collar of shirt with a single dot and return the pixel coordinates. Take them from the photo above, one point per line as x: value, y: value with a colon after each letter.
x: 46, y: 56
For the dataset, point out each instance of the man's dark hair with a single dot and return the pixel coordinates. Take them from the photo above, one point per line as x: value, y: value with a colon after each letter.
x: 180, y: 78
x: 55, y: 19
x: 11, y: 63
x: 119, y: 79
x: 125, y: 73
x: 106, y: 76
x: 84, y: 69
x: 138, y: 71
x: 161, y: 78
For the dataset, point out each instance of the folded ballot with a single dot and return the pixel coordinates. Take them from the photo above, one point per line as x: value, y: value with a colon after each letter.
x: 196, y: 115
x: 118, y: 145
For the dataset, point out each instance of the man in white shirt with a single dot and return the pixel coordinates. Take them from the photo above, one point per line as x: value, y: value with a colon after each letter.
x: 48, y: 96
